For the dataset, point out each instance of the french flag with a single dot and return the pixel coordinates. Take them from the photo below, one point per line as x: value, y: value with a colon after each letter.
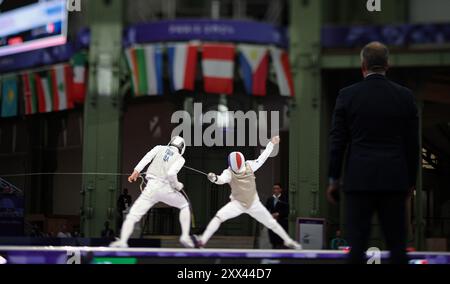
x: 182, y: 66
x: 254, y: 62
x: 218, y: 68
x: 280, y: 59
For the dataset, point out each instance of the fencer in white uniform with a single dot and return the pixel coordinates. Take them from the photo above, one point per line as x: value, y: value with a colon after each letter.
x: 244, y: 197
x: 162, y: 186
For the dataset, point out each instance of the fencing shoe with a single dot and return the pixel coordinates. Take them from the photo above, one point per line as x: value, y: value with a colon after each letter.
x: 187, y: 242
x: 118, y: 244
x: 293, y: 245
x: 198, y: 242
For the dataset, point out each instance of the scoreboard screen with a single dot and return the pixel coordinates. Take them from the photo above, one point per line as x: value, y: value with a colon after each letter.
x: 31, y: 25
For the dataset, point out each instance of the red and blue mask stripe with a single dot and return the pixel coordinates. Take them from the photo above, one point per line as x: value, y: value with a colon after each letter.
x: 236, y: 161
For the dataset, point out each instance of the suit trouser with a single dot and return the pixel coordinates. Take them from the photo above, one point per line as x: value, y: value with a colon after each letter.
x: 391, y: 210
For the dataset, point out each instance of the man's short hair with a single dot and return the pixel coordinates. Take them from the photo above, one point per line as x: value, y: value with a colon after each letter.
x: 278, y: 184
x: 375, y: 56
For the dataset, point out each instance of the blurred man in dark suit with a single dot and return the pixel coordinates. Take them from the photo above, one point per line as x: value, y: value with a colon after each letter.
x: 278, y: 206
x: 123, y: 204
x: 377, y: 119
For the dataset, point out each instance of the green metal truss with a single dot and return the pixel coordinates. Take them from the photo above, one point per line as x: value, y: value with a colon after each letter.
x: 102, y: 117
x: 307, y: 138
x: 396, y: 59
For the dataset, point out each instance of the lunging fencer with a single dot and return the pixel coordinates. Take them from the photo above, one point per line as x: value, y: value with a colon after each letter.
x: 162, y: 186
x: 244, y: 198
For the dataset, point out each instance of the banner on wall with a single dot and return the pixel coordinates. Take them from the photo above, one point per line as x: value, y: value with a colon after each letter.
x: 206, y: 30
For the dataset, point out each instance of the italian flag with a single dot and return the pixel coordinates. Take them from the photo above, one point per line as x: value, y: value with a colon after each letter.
x: 29, y: 94
x: 53, y: 89
x: 146, y: 69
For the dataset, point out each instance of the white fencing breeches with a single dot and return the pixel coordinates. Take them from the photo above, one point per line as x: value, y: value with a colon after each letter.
x: 153, y: 193
x: 234, y: 208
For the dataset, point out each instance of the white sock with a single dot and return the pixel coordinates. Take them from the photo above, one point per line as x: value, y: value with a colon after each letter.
x: 185, y: 221
x: 127, y: 230
x: 213, y: 226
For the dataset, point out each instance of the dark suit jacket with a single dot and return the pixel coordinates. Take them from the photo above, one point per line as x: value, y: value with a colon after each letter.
x: 377, y: 119
x: 282, y: 208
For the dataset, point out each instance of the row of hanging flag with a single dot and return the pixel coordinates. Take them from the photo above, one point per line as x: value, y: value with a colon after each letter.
x: 218, y: 66
x: 58, y: 87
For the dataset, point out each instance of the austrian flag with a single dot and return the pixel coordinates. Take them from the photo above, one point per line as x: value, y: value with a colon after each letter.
x: 218, y: 68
